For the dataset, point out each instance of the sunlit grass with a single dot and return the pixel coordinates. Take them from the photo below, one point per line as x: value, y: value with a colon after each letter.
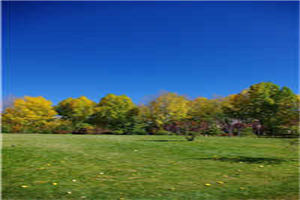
x: 147, y: 167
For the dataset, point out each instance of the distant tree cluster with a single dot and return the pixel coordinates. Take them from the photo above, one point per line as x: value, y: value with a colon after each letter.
x: 262, y: 109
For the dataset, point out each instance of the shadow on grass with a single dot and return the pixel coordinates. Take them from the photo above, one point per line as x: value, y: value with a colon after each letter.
x: 163, y: 140
x: 250, y: 160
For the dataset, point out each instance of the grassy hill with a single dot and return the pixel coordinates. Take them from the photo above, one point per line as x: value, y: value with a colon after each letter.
x: 37, y: 166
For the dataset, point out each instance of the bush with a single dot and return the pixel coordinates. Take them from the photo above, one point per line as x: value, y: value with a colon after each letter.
x: 84, y: 128
x: 213, y: 130
x: 163, y: 132
x: 291, y: 131
x: 99, y: 130
x: 138, y: 131
x: 82, y: 125
x: 6, y: 128
x: 118, y: 132
x: 295, y: 130
x: 61, y: 127
x: 138, y: 128
x: 247, y: 132
x: 53, y: 126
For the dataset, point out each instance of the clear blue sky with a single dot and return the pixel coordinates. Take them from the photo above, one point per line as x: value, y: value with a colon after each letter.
x: 68, y: 49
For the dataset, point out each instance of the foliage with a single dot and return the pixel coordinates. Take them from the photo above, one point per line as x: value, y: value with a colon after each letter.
x: 287, y: 107
x: 272, y: 106
x: 166, y: 108
x: 116, y: 113
x: 288, y: 131
x: 262, y: 101
x: 144, y: 120
x: 234, y: 105
x: 77, y: 110
x: 203, y: 109
x: 184, y: 126
x: 29, y: 114
x: 163, y: 132
x: 267, y: 108
x: 213, y: 130
x: 265, y: 102
x: 138, y: 127
x: 6, y: 128
x: 247, y: 132
x: 82, y: 125
x: 295, y: 131
x: 59, y: 126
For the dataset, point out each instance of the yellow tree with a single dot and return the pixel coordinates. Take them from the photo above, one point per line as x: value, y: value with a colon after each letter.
x: 168, y: 107
x: 28, y: 114
x: 116, y: 113
x: 235, y: 106
x: 203, y: 109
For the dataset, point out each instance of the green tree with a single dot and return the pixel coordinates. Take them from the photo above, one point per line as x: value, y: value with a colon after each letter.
x: 77, y: 110
x: 266, y: 102
x: 203, y: 109
x: 262, y: 103
x: 287, y: 110
x: 116, y: 113
x: 236, y: 106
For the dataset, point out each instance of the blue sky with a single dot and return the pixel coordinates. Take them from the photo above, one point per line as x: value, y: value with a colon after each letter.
x: 68, y: 49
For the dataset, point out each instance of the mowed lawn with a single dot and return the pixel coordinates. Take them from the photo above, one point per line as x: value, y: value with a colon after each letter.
x: 41, y: 166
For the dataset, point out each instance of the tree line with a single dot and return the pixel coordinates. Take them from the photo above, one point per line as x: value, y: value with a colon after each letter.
x: 262, y: 109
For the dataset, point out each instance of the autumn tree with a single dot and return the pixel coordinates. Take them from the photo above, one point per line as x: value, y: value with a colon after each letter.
x: 28, y: 114
x: 167, y: 108
x: 236, y: 114
x: 234, y: 106
x: 77, y: 110
x: 207, y: 114
x: 203, y: 109
x: 115, y: 113
x: 264, y: 107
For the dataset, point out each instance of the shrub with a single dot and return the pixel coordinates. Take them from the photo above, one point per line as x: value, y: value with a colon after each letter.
x: 213, y: 130
x: 61, y: 127
x: 99, y: 130
x: 290, y: 131
x: 295, y: 130
x: 247, y: 132
x: 163, y: 132
x: 6, y: 128
x: 83, y: 128
x: 139, y: 130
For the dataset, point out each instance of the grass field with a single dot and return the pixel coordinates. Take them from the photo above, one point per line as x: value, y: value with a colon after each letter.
x: 37, y: 166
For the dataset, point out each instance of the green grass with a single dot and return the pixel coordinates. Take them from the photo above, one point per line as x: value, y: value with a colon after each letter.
x: 148, y: 167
